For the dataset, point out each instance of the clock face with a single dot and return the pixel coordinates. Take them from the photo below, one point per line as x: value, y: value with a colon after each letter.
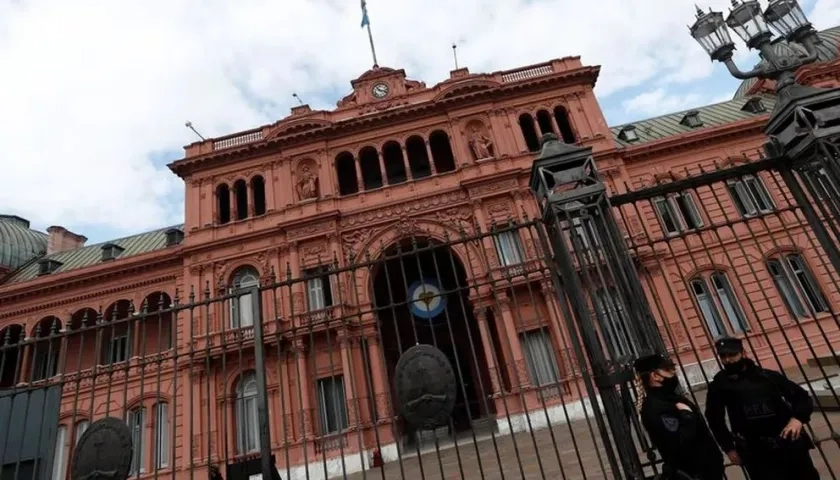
x: 380, y: 90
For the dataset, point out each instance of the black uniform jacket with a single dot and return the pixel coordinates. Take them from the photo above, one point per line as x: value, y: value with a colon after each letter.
x: 682, y: 438
x: 759, y: 403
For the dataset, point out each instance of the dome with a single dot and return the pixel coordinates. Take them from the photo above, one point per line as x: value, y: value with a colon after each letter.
x: 826, y: 52
x: 19, y: 243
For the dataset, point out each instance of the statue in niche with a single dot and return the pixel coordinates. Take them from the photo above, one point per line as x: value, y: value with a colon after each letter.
x: 481, y: 145
x: 307, y: 183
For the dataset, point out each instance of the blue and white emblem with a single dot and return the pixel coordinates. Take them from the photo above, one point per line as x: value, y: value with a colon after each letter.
x: 426, y: 299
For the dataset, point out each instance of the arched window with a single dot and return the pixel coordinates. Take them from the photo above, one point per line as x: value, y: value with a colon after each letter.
x: 441, y: 151
x: 716, y: 302
x: 247, y: 431
x: 797, y: 285
x: 10, y: 355
x: 369, y: 163
x: 561, y: 116
x: 258, y: 192
x: 345, y: 170
x: 45, y: 349
x: 241, y: 305
x: 544, y: 122
x: 223, y: 203
x: 529, y: 132
x: 240, y: 196
x: 418, y: 157
x: 392, y: 155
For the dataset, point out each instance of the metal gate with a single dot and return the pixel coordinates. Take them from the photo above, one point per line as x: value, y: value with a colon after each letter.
x: 444, y: 351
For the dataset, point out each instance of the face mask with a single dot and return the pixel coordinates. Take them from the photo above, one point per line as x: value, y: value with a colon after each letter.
x: 670, y: 383
x: 734, y: 367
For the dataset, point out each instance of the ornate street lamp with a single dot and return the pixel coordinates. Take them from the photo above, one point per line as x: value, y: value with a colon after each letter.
x: 781, y: 57
x: 804, y: 128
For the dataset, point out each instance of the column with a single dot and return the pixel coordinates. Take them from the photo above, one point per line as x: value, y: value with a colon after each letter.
x: 382, y: 170
x: 486, y: 240
x: 297, y: 287
x: 431, y: 158
x: 381, y: 397
x: 489, y: 352
x: 547, y: 290
x: 360, y: 180
x: 556, y: 127
x: 408, y: 175
x: 350, y: 401
x: 304, y: 387
x: 516, y: 365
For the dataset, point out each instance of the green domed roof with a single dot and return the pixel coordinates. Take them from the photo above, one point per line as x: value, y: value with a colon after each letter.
x: 826, y: 52
x: 19, y: 243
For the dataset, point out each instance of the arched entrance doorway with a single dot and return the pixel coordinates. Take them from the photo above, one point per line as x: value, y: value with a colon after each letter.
x: 421, y: 296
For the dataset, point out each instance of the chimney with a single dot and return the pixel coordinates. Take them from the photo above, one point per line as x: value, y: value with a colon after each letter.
x: 62, y: 240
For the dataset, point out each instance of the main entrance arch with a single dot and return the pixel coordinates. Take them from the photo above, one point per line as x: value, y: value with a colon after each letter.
x: 420, y: 295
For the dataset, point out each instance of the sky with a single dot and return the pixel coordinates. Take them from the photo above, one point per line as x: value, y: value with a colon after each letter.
x: 94, y: 94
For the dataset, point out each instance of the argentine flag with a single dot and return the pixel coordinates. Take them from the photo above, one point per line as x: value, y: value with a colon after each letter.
x: 365, y: 19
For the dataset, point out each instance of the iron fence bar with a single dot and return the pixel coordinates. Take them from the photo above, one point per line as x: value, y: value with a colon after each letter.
x: 262, y: 389
x: 568, y: 274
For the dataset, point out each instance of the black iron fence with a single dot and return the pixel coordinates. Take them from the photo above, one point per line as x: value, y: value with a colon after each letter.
x: 320, y: 371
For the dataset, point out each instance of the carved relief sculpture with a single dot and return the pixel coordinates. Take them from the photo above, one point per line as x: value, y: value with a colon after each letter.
x: 307, y: 182
x: 481, y: 145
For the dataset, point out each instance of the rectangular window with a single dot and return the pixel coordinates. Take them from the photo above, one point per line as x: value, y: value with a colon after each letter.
x: 826, y: 189
x: 242, y: 311
x: 45, y: 360
x: 60, y: 455
x: 117, y: 348
x: 508, y: 248
x: 750, y: 196
x: 319, y: 288
x: 614, y: 322
x: 162, y: 436
x: 540, y: 358
x: 677, y: 213
x: 583, y: 233
x: 332, y: 408
x: 136, y: 424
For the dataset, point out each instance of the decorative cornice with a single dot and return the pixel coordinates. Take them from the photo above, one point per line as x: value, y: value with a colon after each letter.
x: 189, y: 165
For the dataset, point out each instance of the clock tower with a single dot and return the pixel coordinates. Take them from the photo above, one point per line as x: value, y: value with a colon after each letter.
x: 380, y: 85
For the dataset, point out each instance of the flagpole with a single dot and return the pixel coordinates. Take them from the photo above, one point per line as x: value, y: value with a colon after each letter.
x: 372, y: 48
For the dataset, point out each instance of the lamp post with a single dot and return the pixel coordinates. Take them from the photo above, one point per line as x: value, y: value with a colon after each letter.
x: 804, y: 127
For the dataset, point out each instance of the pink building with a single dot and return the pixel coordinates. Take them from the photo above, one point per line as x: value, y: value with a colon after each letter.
x: 338, y: 215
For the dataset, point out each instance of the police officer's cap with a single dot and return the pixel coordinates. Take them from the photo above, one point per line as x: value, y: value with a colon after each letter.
x: 649, y: 363
x: 729, y: 346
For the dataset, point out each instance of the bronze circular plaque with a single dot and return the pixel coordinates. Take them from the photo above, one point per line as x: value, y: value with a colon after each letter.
x: 104, y: 451
x: 425, y: 386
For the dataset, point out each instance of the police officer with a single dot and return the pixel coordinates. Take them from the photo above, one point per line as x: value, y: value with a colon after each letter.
x: 675, y: 425
x: 766, y: 415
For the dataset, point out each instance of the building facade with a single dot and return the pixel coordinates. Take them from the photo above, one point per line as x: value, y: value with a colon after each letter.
x: 337, y: 216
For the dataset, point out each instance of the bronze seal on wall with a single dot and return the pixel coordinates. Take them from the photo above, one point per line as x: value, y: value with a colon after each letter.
x: 425, y: 385
x: 103, y: 452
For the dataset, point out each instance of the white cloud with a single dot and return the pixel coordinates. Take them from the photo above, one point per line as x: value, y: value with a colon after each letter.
x: 659, y: 101
x: 91, y: 87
